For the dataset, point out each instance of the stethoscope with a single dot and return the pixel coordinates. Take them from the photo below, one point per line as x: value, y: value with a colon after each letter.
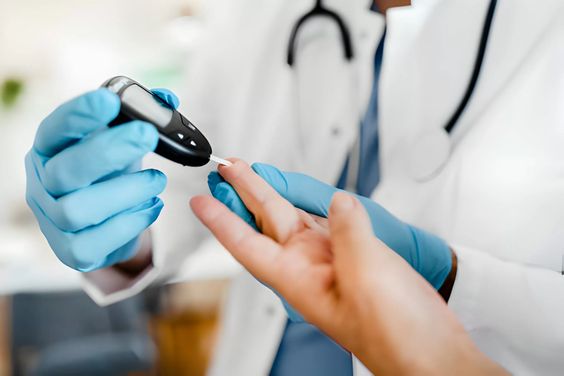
x: 431, y: 151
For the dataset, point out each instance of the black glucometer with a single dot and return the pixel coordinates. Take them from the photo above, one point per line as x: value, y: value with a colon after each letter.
x: 179, y: 140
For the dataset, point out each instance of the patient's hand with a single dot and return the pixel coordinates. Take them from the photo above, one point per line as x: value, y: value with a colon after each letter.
x: 343, y: 280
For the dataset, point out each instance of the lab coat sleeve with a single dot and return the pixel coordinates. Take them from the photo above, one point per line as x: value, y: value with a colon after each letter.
x: 516, y: 310
x: 109, y: 285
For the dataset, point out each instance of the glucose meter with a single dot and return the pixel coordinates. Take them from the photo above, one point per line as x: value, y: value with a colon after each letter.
x: 179, y: 139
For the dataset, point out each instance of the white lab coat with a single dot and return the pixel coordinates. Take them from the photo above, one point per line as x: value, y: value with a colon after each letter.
x: 499, y: 201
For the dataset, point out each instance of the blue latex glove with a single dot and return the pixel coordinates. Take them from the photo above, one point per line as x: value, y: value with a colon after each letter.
x: 429, y: 255
x: 84, y: 184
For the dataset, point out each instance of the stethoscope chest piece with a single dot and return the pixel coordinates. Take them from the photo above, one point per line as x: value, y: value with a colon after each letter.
x: 428, y: 154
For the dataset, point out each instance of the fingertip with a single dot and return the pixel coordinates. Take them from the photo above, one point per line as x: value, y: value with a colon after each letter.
x: 231, y: 172
x: 202, y: 206
x: 342, y: 203
x: 262, y: 167
x: 168, y: 96
x: 223, y: 192
x: 150, y: 204
x: 154, y: 209
x: 196, y: 201
x: 159, y: 178
x: 348, y: 218
x: 159, y: 205
x: 213, y: 180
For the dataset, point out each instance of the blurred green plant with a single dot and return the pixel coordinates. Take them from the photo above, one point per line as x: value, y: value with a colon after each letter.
x: 10, y: 91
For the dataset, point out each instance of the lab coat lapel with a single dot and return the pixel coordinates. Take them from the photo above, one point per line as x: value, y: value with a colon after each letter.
x: 428, y: 59
x: 429, y: 55
x: 517, y: 27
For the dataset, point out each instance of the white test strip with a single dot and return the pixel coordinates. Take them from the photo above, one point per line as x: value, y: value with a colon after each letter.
x: 220, y: 161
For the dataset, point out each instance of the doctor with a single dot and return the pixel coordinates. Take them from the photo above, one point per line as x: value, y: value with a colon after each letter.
x: 490, y: 187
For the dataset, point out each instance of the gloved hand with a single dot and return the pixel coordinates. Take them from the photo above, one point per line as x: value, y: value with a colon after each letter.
x: 429, y: 255
x: 84, y: 184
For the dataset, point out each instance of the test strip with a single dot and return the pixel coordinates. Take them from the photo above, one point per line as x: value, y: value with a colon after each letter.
x: 220, y: 161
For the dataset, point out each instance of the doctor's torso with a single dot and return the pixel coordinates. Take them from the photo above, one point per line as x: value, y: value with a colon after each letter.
x: 501, y: 190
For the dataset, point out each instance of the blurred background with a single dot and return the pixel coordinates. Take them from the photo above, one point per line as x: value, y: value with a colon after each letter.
x: 47, y: 325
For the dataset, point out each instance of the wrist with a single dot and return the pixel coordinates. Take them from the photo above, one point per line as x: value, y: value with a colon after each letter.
x: 446, y: 289
x: 432, y: 257
x: 141, y: 261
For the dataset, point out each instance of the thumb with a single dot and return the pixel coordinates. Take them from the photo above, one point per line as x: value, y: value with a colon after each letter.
x: 352, y: 239
x: 168, y: 96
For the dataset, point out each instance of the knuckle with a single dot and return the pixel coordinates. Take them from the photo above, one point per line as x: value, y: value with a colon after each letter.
x: 78, y: 256
x: 139, y: 136
x: 68, y: 216
x: 54, y: 179
x: 66, y: 250
x: 101, y: 104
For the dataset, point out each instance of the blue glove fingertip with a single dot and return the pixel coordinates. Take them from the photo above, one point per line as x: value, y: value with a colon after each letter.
x: 167, y: 96
x: 229, y: 197
x: 224, y: 192
x: 156, y: 209
x: 126, y: 252
x: 214, y: 178
x: 151, y: 208
x: 158, y: 178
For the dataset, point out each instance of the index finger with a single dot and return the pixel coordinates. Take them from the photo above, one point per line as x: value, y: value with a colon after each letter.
x: 275, y: 216
x: 256, y: 252
x: 76, y: 119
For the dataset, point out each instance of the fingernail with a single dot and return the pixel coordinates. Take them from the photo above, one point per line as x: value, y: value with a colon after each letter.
x: 342, y: 202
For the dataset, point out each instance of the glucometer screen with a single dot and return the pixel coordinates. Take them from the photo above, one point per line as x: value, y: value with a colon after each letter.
x: 147, y: 106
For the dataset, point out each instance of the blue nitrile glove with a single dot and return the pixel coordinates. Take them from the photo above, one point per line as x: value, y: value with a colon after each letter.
x: 84, y: 184
x: 429, y: 255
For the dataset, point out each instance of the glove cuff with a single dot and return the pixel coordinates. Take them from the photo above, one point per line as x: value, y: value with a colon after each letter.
x: 434, y: 256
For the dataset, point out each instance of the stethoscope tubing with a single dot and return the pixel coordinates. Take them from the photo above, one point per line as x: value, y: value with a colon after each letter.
x: 354, y: 154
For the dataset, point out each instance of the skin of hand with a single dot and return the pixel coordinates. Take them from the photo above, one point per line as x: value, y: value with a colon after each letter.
x: 343, y: 280
x: 384, y: 5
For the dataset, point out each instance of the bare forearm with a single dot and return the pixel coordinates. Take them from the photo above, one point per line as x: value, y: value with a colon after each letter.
x: 458, y: 359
